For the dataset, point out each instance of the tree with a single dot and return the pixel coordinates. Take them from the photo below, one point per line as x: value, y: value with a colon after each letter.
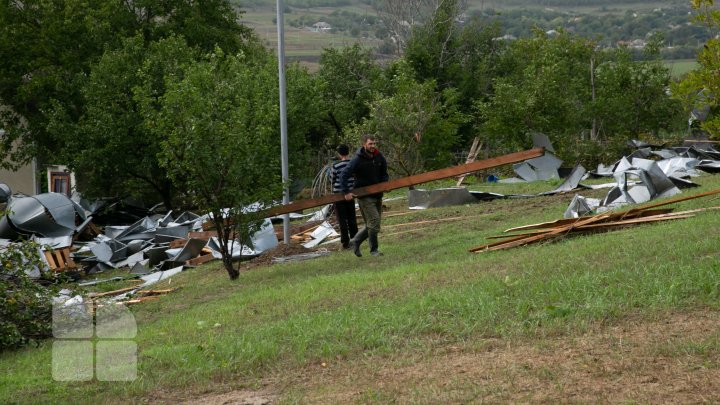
x: 111, y: 146
x: 55, y: 44
x: 457, y: 54
x: 632, y: 95
x: 349, y: 78
x: 546, y: 89
x: 416, y: 125
x: 400, y: 16
x: 221, y: 121
x: 701, y: 87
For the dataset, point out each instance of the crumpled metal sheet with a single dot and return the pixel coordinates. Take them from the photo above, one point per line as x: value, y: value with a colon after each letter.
x: 542, y: 141
x: 525, y: 171
x: 709, y: 166
x: 48, y: 215
x: 141, y: 268
x: 653, y: 183
x: 581, y: 206
x: 679, y: 167
x: 263, y: 240
x: 6, y: 229
x: 602, y: 171
x: 237, y: 250
x: 642, y: 153
x: 571, y: 182
x: 192, y: 248
x: 143, y: 229
x: 168, y: 234
x: 442, y: 197
x: 5, y: 193
x: 546, y: 166
x: 665, y: 153
x: 109, y: 251
x: 322, y: 232
x: 153, y: 278
x: 55, y: 243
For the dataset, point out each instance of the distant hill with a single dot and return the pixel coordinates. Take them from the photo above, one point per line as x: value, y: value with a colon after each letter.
x: 497, y: 4
x: 609, y: 22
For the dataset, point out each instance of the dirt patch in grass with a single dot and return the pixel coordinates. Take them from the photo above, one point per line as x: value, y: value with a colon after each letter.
x: 670, y: 360
x: 241, y: 397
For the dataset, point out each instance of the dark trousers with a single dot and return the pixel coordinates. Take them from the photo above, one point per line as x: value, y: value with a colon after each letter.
x: 345, y: 212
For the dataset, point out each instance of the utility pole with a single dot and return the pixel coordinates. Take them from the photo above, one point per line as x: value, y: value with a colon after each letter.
x: 283, y: 119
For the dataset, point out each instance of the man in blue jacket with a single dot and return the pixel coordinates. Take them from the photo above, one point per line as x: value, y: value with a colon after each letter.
x: 368, y: 167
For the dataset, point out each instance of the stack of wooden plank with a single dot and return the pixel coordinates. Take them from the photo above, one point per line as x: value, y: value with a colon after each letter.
x: 60, y: 259
x: 548, y: 231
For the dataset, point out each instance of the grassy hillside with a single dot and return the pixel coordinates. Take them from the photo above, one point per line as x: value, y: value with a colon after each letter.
x: 430, y: 320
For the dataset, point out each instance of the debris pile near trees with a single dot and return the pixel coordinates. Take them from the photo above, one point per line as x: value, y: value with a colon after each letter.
x: 152, y: 247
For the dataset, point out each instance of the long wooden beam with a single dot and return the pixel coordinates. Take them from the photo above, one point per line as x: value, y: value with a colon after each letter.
x: 410, y: 181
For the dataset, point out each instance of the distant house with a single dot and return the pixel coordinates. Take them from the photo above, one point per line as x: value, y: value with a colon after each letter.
x: 506, y: 37
x: 635, y: 43
x: 321, y: 26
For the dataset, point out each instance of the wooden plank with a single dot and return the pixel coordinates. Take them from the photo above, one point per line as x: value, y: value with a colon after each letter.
x: 560, y: 222
x: 409, y: 181
x: 523, y: 240
x: 145, y: 293
x: 472, y: 155
x: 177, y: 243
x: 196, y: 261
x: 50, y: 259
x: 204, y: 235
x: 115, y: 292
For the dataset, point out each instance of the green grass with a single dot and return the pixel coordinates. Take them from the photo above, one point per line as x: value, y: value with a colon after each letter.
x: 426, y: 292
x: 681, y: 67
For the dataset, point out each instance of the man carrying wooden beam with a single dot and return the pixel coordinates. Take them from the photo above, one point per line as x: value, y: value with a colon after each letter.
x: 368, y: 167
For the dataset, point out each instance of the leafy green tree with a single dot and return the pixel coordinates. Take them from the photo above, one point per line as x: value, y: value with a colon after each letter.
x: 55, y: 44
x: 701, y: 87
x: 349, y: 78
x: 417, y: 126
x: 221, y: 122
x: 632, y: 96
x: 546, y: 89
x: 111, y: 146
x: 456, y: 54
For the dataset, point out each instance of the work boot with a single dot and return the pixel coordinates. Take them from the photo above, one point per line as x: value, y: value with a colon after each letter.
x: 357, y: 240
x: 374, y: 244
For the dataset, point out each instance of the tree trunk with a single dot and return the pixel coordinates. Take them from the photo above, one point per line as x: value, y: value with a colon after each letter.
x: 232, y: 271
x: 594, y: 130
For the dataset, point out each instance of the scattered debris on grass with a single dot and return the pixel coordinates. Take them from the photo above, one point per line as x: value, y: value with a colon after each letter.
x: 600, y: 222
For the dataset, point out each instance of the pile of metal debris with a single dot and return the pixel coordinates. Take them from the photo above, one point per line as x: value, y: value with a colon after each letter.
x: 152, y: 247
x: 649, y: 172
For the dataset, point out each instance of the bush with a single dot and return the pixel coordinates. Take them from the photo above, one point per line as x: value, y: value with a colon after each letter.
x: 25, y: 305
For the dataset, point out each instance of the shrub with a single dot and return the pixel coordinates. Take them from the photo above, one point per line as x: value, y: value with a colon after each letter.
x: 25, y: 304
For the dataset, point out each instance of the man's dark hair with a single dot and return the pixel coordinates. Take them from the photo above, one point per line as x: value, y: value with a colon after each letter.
x: 343, y: 150
x: 367, y: 137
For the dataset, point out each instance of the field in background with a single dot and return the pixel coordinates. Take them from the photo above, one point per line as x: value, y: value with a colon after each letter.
x: 302, y: 44
x: 680, y: 67
x: 305, y: 46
